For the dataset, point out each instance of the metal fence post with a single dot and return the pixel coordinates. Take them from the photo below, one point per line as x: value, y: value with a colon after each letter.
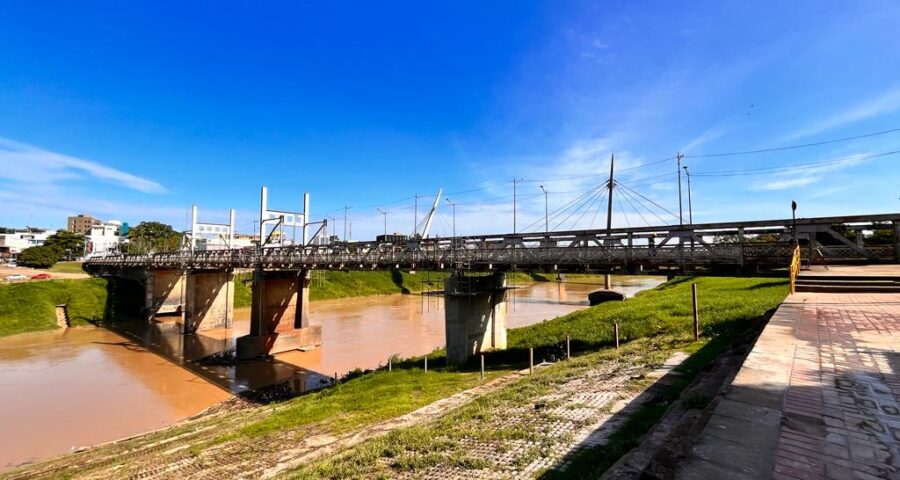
x: 568, y: 347
x: 426, y: 364
x: 482, y: 366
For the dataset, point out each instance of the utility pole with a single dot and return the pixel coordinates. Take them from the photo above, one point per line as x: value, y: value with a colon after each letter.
x: 453, y: 205
x: 515, y: 181
x: 690, y: 207
x: 345, y: 222
x: 385, y: 219
x: 612, y: 181
x: 678, y: 169
x: 546, y: 218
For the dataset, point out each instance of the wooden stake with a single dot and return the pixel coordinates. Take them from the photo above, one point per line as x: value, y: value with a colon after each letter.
x: 391, y: 363
x: 568, y: 347
x: 616, y: 333
x: 696, y: 315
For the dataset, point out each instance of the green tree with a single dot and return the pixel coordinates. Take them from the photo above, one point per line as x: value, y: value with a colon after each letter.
x: 67, y: 244
x: 40, y: 256
x: 153, y: 237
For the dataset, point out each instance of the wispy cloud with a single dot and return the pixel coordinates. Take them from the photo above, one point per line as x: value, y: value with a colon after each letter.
x: 705, y: 137
x: 23, y: 163
x: 802, y: 176
x: 887, y: 102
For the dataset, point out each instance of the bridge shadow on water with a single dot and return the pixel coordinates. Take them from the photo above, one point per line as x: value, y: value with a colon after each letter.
x: 209, y: 355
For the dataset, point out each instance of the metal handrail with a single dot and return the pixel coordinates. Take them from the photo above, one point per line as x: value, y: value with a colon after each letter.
x: 795, y: 268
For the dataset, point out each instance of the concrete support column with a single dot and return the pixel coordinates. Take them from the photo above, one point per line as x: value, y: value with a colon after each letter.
x: 279, y: 315
x: 209, y: 301
x: 165, y: 292
x: 474, y: 315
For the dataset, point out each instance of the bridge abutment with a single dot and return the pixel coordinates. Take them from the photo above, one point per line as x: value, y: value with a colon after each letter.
x: 165, y: 292
x: 474, y: 315
x: 279, y: 315
x: 209, y: 300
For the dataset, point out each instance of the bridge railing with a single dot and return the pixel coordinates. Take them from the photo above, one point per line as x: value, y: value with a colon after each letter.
x: 708, y: 244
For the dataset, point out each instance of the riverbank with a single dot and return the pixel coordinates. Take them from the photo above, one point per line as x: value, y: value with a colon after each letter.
x: 30, y: 306
x: 254, y: 440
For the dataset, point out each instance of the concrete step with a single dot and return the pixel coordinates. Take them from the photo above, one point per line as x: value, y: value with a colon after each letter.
x: 848, y: 278
x: 847, y: 288
x: 857, y: 281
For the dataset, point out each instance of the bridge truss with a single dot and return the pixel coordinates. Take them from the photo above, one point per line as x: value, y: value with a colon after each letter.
x: 766, y: 243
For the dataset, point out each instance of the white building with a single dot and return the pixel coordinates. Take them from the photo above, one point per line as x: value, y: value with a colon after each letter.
x: 103, y: 239
x: 11, y: 244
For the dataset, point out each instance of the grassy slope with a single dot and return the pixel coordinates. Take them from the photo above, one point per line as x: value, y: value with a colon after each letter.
x: 30, y: 306
x: 658, y: 321
x: 66, y: 267
x: 664, y: 309
x: 364, y: 400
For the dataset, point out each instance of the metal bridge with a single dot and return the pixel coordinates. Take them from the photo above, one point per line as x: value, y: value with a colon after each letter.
x: 728, y: 247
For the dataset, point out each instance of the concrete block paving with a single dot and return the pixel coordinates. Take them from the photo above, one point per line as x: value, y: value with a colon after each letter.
x: 840, y: 405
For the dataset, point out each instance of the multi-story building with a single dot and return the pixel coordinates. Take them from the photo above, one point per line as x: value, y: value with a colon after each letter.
x: 103, y: 239
x: 81, y: 223
x: 11, y: 244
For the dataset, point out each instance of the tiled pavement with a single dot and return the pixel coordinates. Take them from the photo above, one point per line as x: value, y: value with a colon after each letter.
x: 818, y: 397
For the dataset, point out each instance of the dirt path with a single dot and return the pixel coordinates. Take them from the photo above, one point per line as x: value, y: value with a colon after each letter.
x: 30, y: 272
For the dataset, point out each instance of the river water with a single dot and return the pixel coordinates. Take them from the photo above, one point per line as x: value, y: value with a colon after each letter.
x: 64, y: 389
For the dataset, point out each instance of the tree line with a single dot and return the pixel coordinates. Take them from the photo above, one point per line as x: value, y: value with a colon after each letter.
x: 146, y: 237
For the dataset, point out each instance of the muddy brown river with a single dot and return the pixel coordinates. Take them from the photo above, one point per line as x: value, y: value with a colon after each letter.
x: 61, y: 390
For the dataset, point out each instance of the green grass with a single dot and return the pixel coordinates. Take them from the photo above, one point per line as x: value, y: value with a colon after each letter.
x: 664, y: 309
x: 66, y: 267
x: 362, y: 401
x: 654, y: 324
x: 31, y: 306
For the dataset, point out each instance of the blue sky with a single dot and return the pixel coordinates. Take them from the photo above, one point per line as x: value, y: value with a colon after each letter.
x: 136, y: 111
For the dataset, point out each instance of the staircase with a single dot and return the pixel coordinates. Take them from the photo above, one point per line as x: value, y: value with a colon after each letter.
x: 62, y: 316
x: 817, y: 282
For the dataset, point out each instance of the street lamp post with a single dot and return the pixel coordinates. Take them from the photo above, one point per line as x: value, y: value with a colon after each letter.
x: 385, y: 219
x: 453, y: 206
x: 794, y: 221
x: 546, y: 217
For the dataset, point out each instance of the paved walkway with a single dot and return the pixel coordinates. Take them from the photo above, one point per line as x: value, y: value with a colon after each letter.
x: 818, y: 397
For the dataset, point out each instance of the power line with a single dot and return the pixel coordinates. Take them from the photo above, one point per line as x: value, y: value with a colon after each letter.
x: 792, y: 147
x: 798, y: 166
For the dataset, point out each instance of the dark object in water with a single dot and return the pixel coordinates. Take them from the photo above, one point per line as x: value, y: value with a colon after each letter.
x: 600, y: 296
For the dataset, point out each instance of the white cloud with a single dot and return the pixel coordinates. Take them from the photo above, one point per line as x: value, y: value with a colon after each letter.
x: 786, y: 183
x: 707, y: 136
x: 23, y: 163
x: 802, y: 176
x: 887, y: 102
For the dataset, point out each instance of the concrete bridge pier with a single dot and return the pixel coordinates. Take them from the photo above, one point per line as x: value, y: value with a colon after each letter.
x: 279, y: 315
x: 165, y: 292
x: 209, y: 300
x: 474, y: 315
